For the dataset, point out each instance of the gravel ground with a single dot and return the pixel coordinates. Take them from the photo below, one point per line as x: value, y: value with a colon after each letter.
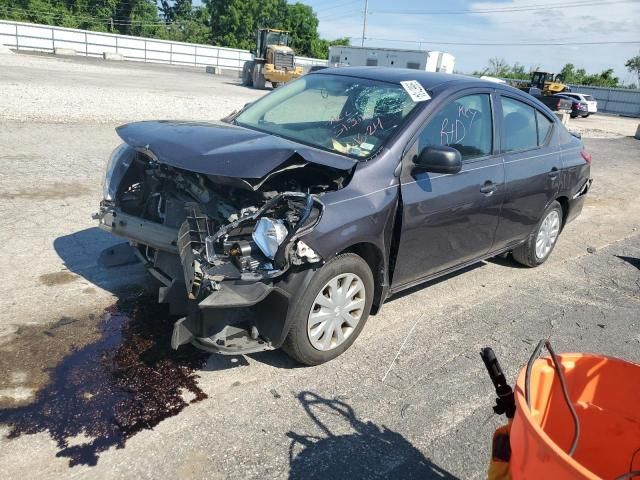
x: 410, y: 399
x: 604, y: 126
x: 63, y: 90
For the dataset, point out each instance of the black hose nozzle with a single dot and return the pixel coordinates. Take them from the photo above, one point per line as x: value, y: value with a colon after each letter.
x: 505, y: 403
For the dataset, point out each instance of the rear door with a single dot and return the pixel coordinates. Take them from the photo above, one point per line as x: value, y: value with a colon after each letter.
x: 448, y: 220
x: 532, y: 168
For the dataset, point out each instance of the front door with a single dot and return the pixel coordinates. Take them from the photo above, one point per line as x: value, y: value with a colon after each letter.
x: 450, y: 219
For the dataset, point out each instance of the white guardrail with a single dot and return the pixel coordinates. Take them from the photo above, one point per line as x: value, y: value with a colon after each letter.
x: 47, y: 38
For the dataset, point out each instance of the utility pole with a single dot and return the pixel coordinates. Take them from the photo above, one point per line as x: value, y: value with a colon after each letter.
x: 364, y: 21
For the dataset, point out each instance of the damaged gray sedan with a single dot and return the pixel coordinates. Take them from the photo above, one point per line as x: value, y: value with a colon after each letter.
x: 293, y: 220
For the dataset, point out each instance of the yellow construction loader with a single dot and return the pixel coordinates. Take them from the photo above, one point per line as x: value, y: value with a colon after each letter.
x: 547, y: 83
x: 274, y: 60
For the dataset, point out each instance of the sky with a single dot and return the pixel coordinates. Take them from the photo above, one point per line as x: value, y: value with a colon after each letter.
x: 605, y: 20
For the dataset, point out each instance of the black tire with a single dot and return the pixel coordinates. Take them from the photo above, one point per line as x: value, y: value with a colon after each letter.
x: 258, y: 76
x: 297, y: 344
x: 275, y: 84
x: 525, y: 254
x: 247, y: 69
x: 585, y: 116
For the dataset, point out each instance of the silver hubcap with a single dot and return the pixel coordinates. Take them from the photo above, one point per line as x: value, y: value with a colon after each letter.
x: 336, y: 311
x: 548, y: 234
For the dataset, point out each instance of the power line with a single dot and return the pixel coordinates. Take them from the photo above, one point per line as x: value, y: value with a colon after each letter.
x: 503, y: 44
x: 522, y: 8
x: 334, y: 5
x: 340, y: 15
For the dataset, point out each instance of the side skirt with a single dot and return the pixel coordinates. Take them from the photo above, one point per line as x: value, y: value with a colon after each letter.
x: 398, y: 288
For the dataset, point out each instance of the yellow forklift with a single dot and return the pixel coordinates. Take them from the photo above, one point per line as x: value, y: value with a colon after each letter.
x: 547, y: 83
x: 274, y: 60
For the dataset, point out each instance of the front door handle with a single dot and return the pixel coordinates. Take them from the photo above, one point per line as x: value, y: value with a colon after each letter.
x: 554, y: 172
x: 488, y: 188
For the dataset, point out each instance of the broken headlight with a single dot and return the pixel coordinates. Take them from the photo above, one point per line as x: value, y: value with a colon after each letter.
x: 269, y: 235
x: 118, y: 164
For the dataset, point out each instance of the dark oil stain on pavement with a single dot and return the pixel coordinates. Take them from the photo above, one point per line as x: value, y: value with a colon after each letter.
x: 57, y: 278
x: 126, y: 381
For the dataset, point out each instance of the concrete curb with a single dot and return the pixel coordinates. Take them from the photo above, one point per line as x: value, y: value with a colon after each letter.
x: 112, y: 56
x: 65, y: 51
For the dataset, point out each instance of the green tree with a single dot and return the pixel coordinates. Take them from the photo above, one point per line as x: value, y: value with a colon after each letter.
x: 228, y: 23
x: 633, y: 65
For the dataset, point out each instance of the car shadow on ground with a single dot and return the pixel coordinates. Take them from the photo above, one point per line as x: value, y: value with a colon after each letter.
x: 369, y: 451
x: 83, y: 253
x: 633, y: 261
x: 101, y: 394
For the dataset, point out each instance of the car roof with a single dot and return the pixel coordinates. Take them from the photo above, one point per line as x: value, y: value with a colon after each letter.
x: 428, y: 80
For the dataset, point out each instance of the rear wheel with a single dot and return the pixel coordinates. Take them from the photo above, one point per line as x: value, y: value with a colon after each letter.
x: 585, y: 116
x: 258, y: 76
x: 275, y: 84
x: 332, y: 311
x: 540, y: 243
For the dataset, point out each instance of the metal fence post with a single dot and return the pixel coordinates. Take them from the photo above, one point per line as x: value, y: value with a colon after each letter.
x: 86, y: 45
x: 16, y: 25
x: 171, y: 54
x: 53, y: 41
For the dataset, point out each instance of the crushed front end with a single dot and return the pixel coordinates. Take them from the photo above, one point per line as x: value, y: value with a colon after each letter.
x: 229, y: 252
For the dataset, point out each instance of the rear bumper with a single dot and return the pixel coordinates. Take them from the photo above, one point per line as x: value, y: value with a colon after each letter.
x: 576, y: 203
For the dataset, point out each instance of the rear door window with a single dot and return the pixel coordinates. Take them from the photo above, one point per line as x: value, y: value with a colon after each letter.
x: 519, y: 121
x: 464, y: 124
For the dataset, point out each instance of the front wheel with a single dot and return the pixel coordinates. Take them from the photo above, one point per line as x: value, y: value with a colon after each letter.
x: 247, y: 69
x: 585, y: 116
x: 258, y: 76
x: 540, y: 243
x: 332, y: 311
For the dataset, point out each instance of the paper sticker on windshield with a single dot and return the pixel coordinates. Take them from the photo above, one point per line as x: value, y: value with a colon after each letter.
x: 415, y: 90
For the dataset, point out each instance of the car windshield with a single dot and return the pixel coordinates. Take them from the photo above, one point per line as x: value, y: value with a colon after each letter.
x: 347, y: 115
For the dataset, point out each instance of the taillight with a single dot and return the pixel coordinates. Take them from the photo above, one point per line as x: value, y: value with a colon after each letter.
x: 586, y: 156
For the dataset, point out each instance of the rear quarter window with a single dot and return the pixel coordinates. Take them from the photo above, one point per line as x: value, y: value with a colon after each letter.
x: 544, y: 127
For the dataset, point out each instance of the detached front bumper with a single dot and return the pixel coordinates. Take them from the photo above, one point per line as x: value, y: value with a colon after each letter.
x: 241, y: 317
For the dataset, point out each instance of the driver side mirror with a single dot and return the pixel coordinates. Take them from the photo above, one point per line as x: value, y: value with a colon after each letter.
x: 439, y: 159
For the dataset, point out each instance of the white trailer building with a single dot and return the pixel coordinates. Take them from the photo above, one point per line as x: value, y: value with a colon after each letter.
x: 429, y: 61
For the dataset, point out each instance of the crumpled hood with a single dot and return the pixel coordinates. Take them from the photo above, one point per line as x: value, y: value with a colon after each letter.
x: 221, y: 149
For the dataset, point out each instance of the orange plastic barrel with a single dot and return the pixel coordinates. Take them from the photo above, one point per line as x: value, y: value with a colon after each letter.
x: 605, y: 392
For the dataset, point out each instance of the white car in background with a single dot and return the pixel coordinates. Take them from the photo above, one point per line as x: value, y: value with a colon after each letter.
x: 591, y: 102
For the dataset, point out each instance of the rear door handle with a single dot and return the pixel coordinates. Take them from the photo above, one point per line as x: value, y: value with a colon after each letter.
x: 488, y: 188
x: 554, y: 172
